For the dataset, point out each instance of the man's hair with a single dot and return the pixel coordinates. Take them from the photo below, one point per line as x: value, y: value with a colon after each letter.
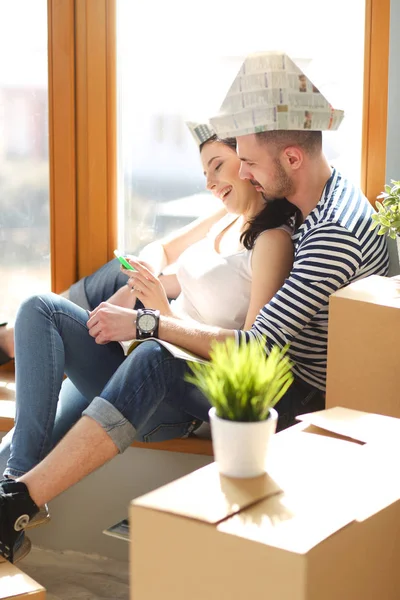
x: 309, y: 141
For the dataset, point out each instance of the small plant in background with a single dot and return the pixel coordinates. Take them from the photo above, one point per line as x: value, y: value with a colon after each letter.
x: 388, y: 215
x: 241, y: 381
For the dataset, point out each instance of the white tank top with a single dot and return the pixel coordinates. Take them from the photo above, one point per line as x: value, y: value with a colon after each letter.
x: 215, y: 288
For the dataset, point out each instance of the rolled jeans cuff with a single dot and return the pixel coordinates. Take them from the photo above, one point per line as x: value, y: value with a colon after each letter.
x: 120, y: 430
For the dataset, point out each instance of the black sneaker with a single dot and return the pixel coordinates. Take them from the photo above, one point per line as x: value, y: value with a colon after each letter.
x: 16, y: 510
x: 41, y: 518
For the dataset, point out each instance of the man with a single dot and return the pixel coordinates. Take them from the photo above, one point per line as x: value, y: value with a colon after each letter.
x: 333, y: 246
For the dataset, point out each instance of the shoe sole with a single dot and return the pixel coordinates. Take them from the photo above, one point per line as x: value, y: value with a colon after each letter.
x: 41, y: 518
x: 22, y: 551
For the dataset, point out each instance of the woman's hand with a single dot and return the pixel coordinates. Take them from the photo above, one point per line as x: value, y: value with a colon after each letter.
x: 110, y: 323
x: 135, y: 259
x: 147, y: 287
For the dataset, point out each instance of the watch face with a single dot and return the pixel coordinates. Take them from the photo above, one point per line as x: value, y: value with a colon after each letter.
x: 147, y: 323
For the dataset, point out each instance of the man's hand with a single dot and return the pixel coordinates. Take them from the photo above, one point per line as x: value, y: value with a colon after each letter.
x: 110, y: 323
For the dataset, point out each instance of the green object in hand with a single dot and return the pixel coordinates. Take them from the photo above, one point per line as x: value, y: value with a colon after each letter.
x: 123, y: 261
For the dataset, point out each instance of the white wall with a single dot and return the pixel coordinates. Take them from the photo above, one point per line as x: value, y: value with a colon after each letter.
x: 80, y: 514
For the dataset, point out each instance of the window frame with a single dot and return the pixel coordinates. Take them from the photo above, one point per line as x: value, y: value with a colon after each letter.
x: 82, y: 129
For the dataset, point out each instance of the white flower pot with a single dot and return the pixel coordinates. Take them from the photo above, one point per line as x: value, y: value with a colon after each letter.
x: 240, y: 449
x: 398, y: 246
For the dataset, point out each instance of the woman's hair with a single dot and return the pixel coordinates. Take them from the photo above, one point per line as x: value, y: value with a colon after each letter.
x: 274, y: 214
x: 231, y: 142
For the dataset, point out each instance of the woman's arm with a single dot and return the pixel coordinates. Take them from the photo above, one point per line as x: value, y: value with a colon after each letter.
x: 171, y: 285
x: 124, y: 297
x: 166, y: 251
x: 271, y: 262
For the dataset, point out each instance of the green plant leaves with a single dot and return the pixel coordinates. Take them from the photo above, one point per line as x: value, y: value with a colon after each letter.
x: 241, y: 381
x: 388, y: 211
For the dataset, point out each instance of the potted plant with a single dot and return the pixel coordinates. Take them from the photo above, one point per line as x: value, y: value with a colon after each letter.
x: 388, y: 215
x: 243, y: 385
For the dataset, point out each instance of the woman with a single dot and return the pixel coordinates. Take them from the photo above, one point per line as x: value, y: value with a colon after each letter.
x: 244, y: 249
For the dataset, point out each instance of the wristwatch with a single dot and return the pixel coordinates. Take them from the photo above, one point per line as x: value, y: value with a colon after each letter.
x: 147, y: 320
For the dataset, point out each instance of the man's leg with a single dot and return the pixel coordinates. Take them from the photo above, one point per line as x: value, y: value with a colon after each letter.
x: 84, y: 449
x: 71, y: 404
x: 300, y: 398
x: 146, y: 380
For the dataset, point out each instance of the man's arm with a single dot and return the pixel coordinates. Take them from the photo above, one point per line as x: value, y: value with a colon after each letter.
x: 326, y: 261
x: 123, y: 297
x: 110, y: 323
x: 193, y: 336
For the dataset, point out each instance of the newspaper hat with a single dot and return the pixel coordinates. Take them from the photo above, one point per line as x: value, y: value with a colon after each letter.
x: 201, y: 132
x: 271, y: 92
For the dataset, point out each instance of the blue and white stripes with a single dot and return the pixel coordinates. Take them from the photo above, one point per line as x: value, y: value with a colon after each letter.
x: 333, y: 247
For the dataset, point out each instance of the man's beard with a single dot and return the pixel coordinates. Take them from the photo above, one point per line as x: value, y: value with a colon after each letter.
x: 283, y: 185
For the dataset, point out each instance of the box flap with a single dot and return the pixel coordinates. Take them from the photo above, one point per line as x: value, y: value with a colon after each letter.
x: 324, y: 479
x: 207, y: 496
x: 376, y: 289
x: 295, y: 522
x: 354, y: 424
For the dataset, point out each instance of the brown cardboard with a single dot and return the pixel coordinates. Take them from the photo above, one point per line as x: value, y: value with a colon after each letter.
x: 16, y: 584
x: 323, y: 525
x: 364, y: 346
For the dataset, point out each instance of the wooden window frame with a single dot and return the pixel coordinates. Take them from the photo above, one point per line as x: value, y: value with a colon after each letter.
x: 375, y: 102
x: 82, y: 117
x: 82, y: 129
x: 62, y: 151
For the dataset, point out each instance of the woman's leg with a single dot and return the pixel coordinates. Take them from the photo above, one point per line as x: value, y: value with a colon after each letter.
x: 52, y: 338
x: 90, y: 291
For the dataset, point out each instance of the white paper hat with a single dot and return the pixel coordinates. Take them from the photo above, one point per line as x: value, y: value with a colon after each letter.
x: 200, y: 131
x: 271, y: 92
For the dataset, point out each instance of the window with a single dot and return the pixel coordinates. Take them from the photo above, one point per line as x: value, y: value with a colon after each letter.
x: 175, y: 63
x: 24, y: 178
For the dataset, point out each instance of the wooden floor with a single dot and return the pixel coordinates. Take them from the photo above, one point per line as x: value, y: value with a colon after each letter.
x: 191, y: 445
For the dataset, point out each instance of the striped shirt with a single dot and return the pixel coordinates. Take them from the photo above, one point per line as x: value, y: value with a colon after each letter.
x: 332, y: 248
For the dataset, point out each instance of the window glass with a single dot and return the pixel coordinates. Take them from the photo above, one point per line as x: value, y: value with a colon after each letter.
x: 176, y: 60
x: 24, y: 170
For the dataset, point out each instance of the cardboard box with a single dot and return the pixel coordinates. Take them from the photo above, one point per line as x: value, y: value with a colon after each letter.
x: 324, y: 524
x: 15, y: 584
x: 364, y: 346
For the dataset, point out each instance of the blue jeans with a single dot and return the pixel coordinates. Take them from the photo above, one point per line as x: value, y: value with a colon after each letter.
x: 143, y: 396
